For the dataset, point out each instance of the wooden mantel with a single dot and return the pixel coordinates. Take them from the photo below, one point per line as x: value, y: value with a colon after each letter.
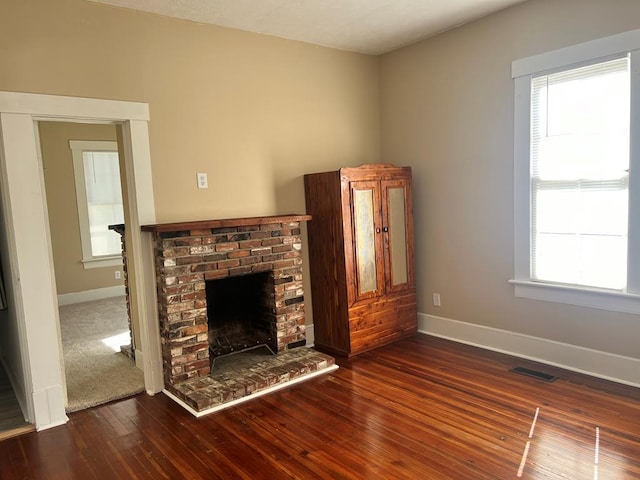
x: 228, y: 222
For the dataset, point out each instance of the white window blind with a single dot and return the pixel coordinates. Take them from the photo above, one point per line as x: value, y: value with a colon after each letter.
x: 579, y: 175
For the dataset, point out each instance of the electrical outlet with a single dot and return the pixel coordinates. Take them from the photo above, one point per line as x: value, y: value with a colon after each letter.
x: 117, y: 274
x: 436, y: 299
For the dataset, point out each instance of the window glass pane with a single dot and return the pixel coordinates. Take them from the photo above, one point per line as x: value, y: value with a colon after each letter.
x: 579, y: 171
x: 104, y: 201
x: 580, y: 122
x: 596, y: 261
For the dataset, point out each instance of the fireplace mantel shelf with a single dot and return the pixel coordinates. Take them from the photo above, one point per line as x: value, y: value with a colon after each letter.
x: 223, y: 223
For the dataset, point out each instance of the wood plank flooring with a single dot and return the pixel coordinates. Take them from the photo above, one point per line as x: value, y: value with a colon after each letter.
x: 11, y: 419
x: 423, y: 408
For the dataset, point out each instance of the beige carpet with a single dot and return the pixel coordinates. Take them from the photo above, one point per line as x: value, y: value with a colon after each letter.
x: 95, y: 372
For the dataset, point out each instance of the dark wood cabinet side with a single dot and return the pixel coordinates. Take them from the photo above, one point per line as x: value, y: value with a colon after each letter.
x: 326, y: 261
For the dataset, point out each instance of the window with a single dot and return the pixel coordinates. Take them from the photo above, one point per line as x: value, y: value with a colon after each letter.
x: 577, y: 230
x: 99, y: 197
x: 579, y: 181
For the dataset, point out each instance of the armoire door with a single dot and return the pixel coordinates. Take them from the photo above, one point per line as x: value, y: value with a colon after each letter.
x: 368, y: 260
x: 397, y: 232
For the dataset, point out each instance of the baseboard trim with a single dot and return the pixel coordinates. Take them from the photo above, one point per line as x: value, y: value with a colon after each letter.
x: 608, y: 366
x: 50, y: 403
x: 90, y: 295
x: 309, y: 335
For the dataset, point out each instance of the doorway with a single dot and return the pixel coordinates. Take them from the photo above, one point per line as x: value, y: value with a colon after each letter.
x: 84, y: 192
x: 30, y: 337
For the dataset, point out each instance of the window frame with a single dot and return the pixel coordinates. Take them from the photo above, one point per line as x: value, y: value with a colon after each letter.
x: 77, y: 148
x: 522, y: 70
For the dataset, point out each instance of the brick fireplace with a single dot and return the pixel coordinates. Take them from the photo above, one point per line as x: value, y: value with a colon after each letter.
x: 259, y: 258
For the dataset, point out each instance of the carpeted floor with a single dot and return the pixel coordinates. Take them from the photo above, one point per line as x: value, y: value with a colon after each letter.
x: 96, y: 371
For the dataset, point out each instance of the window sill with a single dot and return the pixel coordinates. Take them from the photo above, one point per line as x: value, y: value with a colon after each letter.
x: 100, y: 262
x: 580, y: 296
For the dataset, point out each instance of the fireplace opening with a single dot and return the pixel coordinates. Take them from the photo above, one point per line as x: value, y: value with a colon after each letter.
x: 239, y: 311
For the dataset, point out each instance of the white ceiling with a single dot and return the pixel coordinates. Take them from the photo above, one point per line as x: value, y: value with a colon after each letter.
x: 365, y: 26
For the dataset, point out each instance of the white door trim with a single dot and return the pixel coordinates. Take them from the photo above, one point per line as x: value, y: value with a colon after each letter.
x: 24, y: 206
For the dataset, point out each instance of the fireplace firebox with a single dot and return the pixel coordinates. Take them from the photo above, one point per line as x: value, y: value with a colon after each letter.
x: 239, y: 315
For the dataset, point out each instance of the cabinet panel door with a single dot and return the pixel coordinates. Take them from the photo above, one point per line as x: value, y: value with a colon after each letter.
x: 368, y: 280
x: 398, y: 234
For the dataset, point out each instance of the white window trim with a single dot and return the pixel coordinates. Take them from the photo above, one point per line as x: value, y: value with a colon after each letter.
x: 522, y: 71
x: 77, y: 147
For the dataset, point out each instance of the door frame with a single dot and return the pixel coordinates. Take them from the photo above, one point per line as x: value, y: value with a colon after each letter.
x: 30, y: 263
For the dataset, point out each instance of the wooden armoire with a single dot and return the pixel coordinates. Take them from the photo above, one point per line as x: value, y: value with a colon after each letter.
x: 361, y: 257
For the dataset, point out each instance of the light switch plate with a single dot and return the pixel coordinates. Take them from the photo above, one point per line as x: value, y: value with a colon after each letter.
x: 202, y: 180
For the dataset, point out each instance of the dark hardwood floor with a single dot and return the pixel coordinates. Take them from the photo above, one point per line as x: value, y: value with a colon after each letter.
x: 423, y: 408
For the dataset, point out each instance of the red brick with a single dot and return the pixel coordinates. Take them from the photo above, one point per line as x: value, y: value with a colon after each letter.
x: 189, y: 260
x: 229, y: 264
x: 216, y: 274
x: 200, y: 232
x: 200, y: 249
x: 190, y: 278
x: 199, y: 364
x: 271, y: 226
x: 187, y: 241
x: 250, y: 243
x: 284, y: 263
x: 271, y: 241
x: 193, y: 313
x: 175, y: 252
x: 171, y: 299
x: 180, y: 307
x: 239, y: 254
x: 216, y: 257
x: 202, y: 267
x: 178, y: 289
x: 250, y: 260
x: 226, y: 247
x: 290, y: 240
x: 261, y: 267
x: 234, y: 272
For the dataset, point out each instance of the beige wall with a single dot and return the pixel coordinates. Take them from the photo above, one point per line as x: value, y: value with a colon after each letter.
x: 61, y: 203
x: 447, y: 110
x: 252, y: 111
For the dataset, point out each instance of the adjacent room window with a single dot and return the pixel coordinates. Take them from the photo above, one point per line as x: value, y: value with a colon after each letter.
x: 577, y: 224
x: 99, y: 196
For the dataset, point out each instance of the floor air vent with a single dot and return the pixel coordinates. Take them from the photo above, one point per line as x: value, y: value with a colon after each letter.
x: 534, y: 373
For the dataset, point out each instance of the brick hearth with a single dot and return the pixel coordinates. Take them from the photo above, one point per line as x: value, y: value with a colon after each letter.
x: 190, y: 254
x: 237, y: 381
